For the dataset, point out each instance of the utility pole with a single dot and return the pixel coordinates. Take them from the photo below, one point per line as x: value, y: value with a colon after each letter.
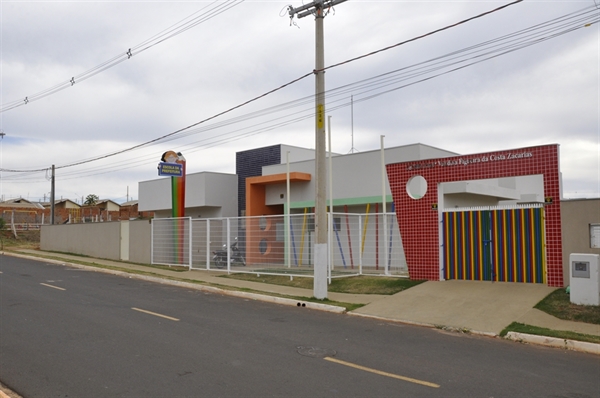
x: 318, y: 8
x: 2, y: 134
x: 52, y: 197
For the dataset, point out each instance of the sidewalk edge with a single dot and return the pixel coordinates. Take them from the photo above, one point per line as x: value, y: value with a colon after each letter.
x: 427, y: 325
x: 574, y: 345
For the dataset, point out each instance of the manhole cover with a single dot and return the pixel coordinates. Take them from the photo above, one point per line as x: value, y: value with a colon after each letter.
x: 316, y: 352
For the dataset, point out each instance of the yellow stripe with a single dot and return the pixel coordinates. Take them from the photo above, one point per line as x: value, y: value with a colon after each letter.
x: 364, y: 235
x: 472, y: 251
x: 53, y: 287
x: 155, y: 314
x: 381, y: 373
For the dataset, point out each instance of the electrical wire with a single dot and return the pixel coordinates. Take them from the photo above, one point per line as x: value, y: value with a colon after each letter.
x: 176, y: 29
x: 337, y: 98
x: 276, y: 89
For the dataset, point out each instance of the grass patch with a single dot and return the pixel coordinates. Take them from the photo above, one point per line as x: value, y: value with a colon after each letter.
x: 558, y: 304
x: 522, y: 328
x: 26, y: 240
x: 352, y: 285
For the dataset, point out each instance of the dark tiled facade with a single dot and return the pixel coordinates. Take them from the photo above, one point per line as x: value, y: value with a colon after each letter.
x: 249, y: 164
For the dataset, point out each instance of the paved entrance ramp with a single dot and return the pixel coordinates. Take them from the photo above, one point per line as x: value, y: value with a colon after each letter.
x: 479, y: 306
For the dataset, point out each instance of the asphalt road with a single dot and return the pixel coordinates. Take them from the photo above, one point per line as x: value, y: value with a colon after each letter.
x: 66, y: 332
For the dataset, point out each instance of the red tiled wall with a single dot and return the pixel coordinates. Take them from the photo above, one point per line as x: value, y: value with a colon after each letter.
x: 418, y: 221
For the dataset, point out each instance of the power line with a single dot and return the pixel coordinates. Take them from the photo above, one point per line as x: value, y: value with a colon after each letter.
x: 176, y: 29
x: 363, y: 90
x: 272, y: 91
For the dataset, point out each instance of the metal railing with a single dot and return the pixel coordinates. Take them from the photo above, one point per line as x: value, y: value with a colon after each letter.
x: 359, y: 244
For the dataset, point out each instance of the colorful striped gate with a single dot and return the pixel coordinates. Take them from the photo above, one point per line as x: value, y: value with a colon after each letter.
x: 506, y: 245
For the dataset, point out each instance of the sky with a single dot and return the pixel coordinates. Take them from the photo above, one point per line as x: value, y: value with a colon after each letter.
x: 522, y: 76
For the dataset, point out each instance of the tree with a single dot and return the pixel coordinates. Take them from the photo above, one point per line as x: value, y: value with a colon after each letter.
x: 91, y: 200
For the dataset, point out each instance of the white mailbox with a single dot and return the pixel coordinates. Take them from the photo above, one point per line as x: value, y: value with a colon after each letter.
x: 585, y: 279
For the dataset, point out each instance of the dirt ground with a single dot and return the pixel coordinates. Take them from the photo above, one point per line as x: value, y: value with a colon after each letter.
x: 28, y: 239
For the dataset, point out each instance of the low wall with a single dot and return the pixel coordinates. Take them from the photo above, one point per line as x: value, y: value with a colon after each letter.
x: 577, y: 215
x: 100, y: 240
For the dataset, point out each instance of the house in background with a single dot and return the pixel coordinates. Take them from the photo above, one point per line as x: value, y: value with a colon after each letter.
x: 20, y: 203
x: 62, y: 204
x: 107, y: 204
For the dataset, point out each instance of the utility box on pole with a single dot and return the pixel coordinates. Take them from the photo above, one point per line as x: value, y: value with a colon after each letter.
x: 585, y: 279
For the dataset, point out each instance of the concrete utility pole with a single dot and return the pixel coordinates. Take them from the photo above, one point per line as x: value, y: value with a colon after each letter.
x: 2, y: 134
x: 318, y: 9
x: 52, y: 197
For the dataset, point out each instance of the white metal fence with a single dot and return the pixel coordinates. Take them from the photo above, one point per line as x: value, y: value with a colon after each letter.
x: 358, y: 244
x: 171, y: 239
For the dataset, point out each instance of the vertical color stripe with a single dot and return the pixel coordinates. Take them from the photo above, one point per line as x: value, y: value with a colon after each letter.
x: 500, y: 245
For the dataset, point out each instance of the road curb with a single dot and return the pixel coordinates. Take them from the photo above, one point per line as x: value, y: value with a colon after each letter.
x: 196, y: 286
x: 574, y: 345
x: 427, y: 325
x: 237, y: 293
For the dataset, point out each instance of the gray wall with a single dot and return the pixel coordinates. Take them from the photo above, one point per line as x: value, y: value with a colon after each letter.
x: 576, y: 216
x: 355, y: 175
x: 140, y: 236
x: 207, y: 194
x: 100, y: 240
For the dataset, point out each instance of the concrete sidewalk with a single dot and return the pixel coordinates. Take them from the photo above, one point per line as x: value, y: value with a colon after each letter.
x: 482, y: 307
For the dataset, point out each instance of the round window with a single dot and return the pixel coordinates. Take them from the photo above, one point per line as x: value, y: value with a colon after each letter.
x: 416, y: 187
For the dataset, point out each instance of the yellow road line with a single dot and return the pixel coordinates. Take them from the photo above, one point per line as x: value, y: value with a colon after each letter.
x: 379, y: 372
x: 53, y: 287
x: 154, y: 313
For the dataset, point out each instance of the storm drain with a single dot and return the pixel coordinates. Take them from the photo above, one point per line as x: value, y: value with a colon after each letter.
x: 315, y: 352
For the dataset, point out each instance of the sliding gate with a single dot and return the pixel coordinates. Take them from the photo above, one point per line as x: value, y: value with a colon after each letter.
x: 506, y: 245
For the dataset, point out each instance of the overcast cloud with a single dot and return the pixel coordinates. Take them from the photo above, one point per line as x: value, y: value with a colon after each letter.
x: 543, y: 94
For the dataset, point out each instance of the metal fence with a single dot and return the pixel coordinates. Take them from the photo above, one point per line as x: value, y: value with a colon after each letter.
x: 281, y: 245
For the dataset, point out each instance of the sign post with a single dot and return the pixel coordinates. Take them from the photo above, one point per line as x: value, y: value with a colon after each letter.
x: 173, y: 165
